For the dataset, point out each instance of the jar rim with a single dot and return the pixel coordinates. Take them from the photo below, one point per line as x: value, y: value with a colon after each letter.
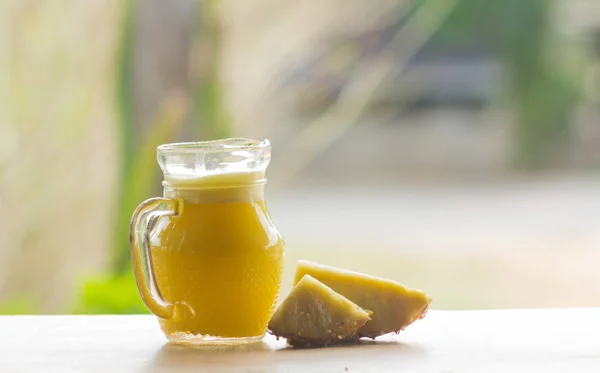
x: 213, y: 159
x: 215, y: 146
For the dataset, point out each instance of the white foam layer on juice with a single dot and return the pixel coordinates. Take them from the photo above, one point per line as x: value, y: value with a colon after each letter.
x: 216, y: 179
x: 217, y: 187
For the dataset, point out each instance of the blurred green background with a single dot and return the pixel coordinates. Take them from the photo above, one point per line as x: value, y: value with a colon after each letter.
x: 452, y: 145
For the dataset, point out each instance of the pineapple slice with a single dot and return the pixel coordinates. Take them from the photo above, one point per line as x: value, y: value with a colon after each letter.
x: 313, y: 314
x: 394, y: 306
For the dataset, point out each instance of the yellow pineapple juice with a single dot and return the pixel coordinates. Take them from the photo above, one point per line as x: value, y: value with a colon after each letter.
x: 221, y: 259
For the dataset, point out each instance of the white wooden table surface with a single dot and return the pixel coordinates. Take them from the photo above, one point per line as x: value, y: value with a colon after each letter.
x: 566, y: 340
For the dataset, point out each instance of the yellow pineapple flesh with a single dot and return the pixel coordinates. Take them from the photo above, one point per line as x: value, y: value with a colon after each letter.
x: 314, y: 315
x: 394, y: 306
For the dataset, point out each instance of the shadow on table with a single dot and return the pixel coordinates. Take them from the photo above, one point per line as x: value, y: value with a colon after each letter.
x: 273, y: 356
x: 184, y: 358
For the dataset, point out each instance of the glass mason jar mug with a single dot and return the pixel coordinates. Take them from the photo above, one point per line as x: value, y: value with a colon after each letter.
x: 207, y: 258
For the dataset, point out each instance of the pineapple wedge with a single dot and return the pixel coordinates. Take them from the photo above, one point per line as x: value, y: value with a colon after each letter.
x: 394, y: 306
x: 313, y: 314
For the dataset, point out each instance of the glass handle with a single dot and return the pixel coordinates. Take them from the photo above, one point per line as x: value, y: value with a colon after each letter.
x: 143, y: 218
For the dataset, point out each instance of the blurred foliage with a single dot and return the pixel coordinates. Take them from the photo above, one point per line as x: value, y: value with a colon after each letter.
x: 543, y: 93
x: 109, y: 294
x: 542, y: 96
x: 21, y: 305
x: 543, y: 90
x: 540, y: 88
x: 124, y: 104
x: 208, y: 107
